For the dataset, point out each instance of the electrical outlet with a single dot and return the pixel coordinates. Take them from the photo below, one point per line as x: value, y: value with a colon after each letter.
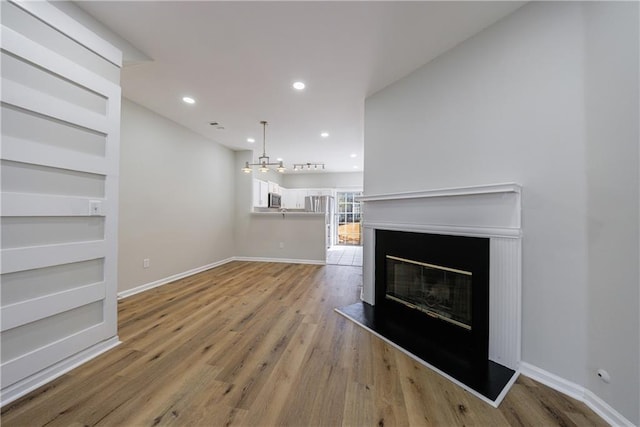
x: 603, y: 375
x: 281, y: 245
x: 145, y: 263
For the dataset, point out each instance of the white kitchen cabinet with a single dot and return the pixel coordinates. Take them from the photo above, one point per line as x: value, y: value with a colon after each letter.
x: 288, y: 198
x: 294, y: 198
x: 260, y: 193
x: 284, y: 192
x: 319, y: 192
x: 274, y: 187
x: 300, y: 195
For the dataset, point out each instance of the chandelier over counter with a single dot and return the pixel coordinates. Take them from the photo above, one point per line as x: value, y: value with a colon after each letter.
x: 263, y: 161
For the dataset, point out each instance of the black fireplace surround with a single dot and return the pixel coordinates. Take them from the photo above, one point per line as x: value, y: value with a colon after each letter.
x: 458, y: 348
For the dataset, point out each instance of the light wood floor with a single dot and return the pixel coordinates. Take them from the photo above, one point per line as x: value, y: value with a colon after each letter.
x: 259, y: 344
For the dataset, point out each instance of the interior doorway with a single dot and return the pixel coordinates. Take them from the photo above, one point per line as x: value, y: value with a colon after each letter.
x: 347, y: 219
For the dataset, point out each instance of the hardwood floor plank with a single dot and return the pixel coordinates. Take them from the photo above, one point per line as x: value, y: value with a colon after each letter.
x: 273, y: 396
x: 390, y: 408
x: 108, y: 365
x: 304, y: 391
x: 329, y: 401
x: 166, y: 402
x: 359, y: 405
x: 259, y: 344
x: 46, y: 397
x: 250, y: 377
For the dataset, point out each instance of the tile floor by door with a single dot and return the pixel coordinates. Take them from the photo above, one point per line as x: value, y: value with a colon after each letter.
x: 345, y: 255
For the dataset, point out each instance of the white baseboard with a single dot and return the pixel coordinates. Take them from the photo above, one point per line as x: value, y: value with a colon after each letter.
x: 172, y: 278
x: 283, y: 260
x: 552, y: 380
x: 603, y: 409
x: 596, y: 404
x: 27, y: 385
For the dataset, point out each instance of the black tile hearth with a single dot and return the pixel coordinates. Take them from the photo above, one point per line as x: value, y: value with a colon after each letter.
x: 489, y: 381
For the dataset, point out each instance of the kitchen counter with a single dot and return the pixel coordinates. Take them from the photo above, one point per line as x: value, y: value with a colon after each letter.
x: 297, y: 212
x: 308, y: 214
x: 289, y: 236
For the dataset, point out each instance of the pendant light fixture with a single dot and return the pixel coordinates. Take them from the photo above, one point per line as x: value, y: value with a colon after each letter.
x: 263, y: 161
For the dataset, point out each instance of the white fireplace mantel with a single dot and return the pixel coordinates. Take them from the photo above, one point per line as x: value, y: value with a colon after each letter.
x: 508, y: 187
x: 479, y: 211
x: 491, y: 211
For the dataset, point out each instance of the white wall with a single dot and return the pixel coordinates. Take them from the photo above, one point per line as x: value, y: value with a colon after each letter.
x: 323, y: 180
x: 534, y: 99
x: 177, y: 192
x: 611, y: 114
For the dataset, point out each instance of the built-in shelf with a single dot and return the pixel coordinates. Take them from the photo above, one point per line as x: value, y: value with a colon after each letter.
x: 445, y: 192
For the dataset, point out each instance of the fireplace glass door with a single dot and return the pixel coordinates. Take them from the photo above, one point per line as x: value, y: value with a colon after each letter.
x: 438, y: 291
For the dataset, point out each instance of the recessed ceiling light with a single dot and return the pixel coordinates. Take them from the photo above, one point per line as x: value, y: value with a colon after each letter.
x: 324, y: 134
x: 355, y: 166
x: 251, y: 140
x: 299, y: 85
x: 353, y: 155
x: 279, y: 159
x: 188, y: 100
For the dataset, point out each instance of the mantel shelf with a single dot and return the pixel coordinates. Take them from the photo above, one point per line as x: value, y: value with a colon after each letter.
x: 445, y: 192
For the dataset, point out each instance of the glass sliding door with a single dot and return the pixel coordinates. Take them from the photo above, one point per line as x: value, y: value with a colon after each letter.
x: 348, y: 227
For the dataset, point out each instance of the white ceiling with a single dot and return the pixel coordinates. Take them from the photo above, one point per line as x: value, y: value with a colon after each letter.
x: 239, y: 60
